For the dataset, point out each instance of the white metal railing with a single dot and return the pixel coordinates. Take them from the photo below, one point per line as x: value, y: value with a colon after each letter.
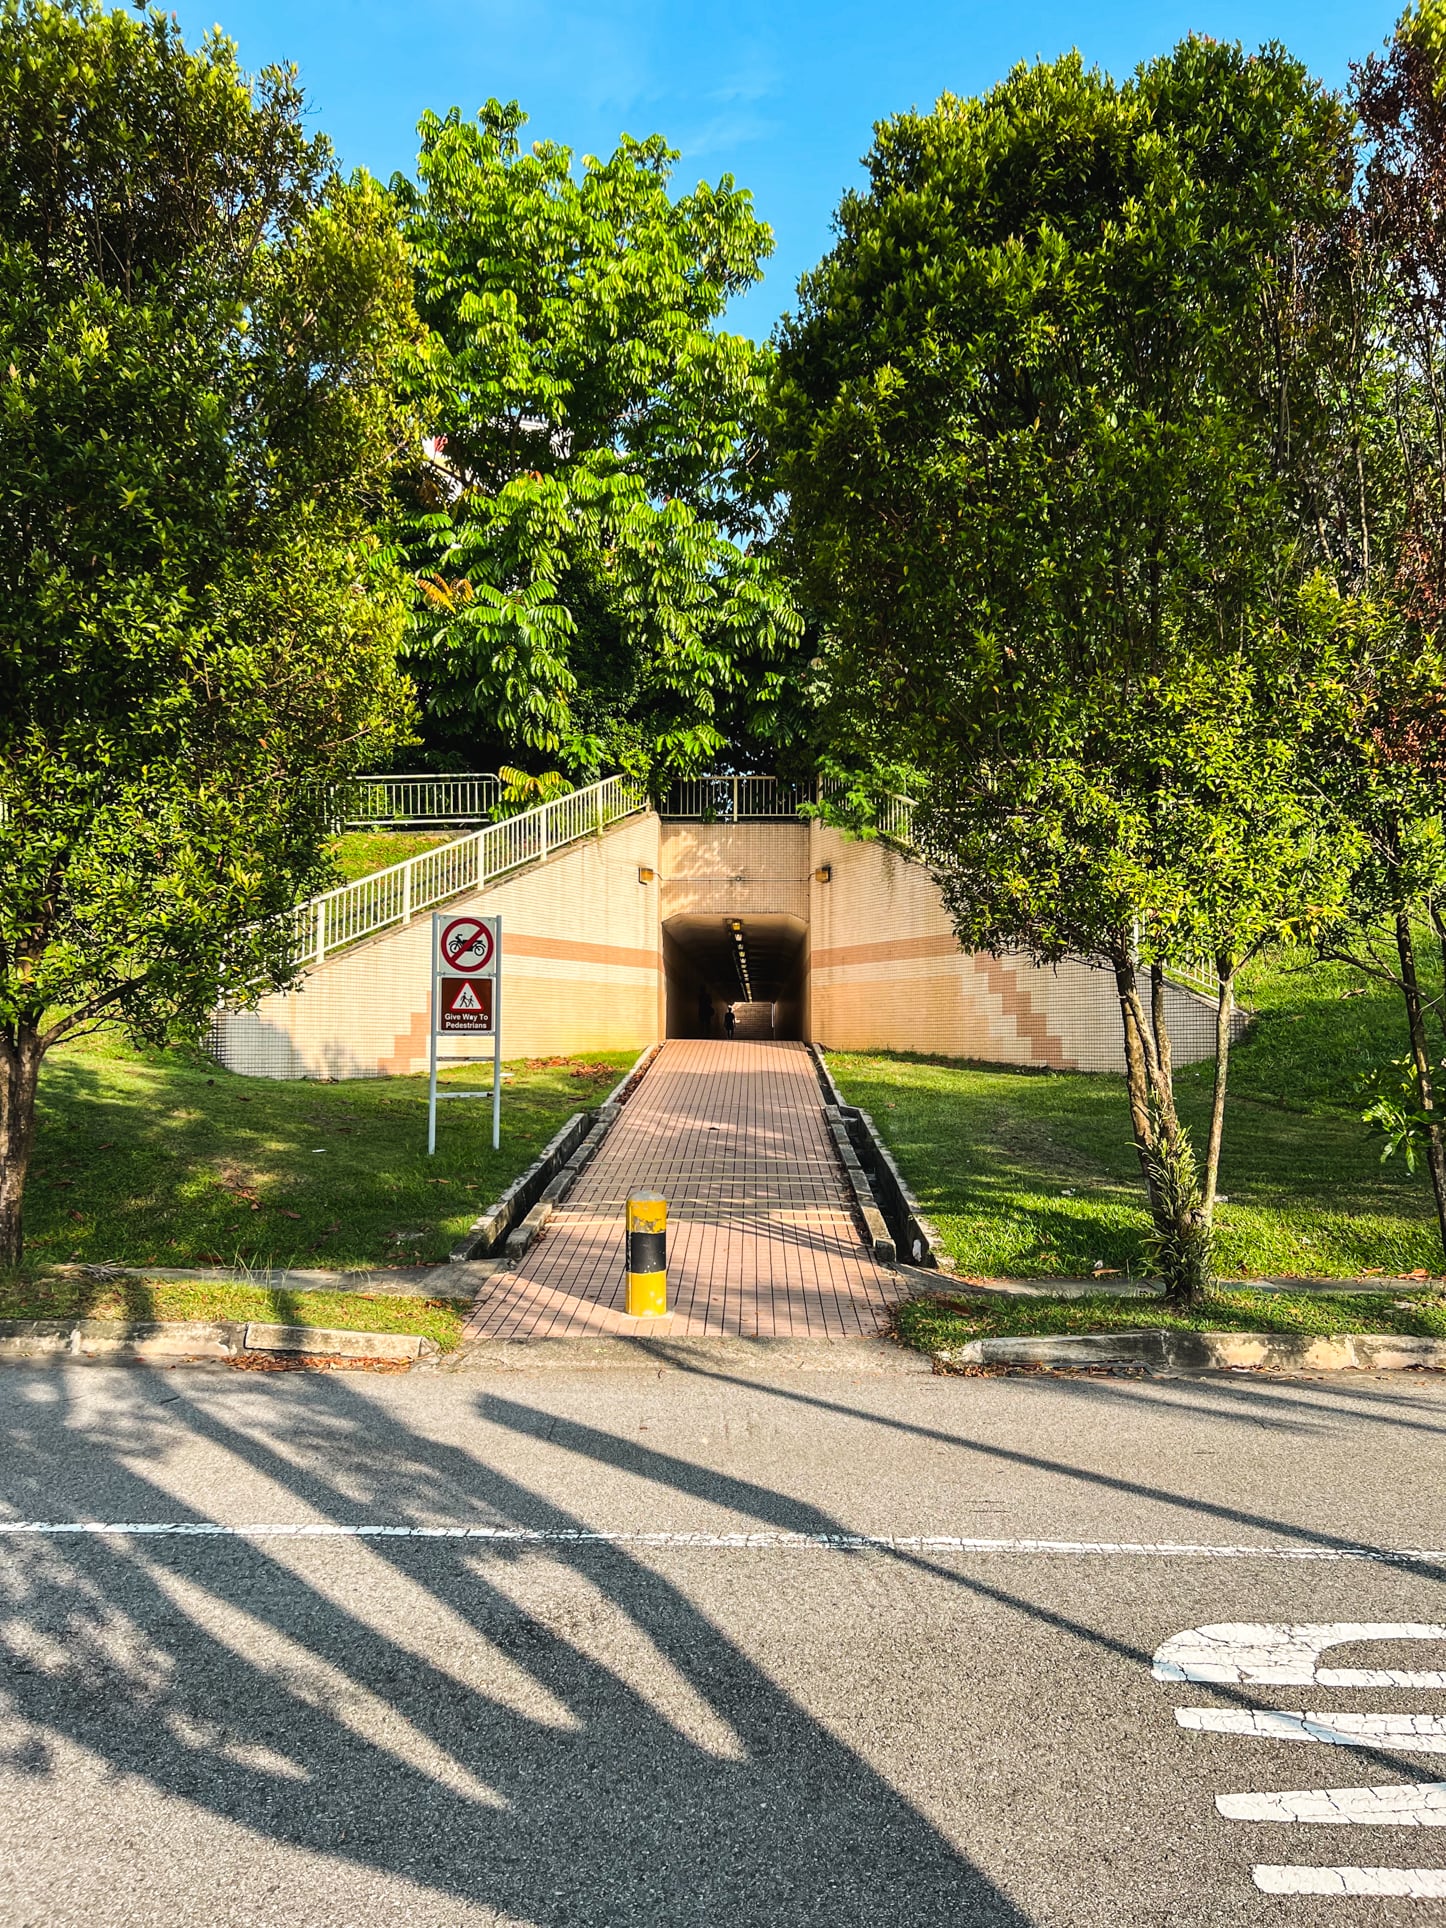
x: 424, y: 801
x: 755, y: 799
x: 394, y: 896
x: 896, y: 820
x: 1197, y: 974
x: 737, y: 799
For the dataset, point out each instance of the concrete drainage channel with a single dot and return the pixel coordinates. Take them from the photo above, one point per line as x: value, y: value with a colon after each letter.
x: 508, y: 1227
x: 893, y: 1219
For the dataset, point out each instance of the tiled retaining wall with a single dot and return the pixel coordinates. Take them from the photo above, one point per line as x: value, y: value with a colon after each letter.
x: 886, y: 973
x: 584, y: 964
x: 582, y: 971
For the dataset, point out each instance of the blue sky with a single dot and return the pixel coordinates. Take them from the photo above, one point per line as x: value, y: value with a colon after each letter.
x: 783, y: 96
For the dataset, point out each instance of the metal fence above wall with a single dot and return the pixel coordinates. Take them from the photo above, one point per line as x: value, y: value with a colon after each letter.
x: 771, y: 799
x: 421, y: 802
x: 737, y: 799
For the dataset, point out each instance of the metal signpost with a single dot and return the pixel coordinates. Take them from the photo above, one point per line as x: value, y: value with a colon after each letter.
x: 466, y: 1002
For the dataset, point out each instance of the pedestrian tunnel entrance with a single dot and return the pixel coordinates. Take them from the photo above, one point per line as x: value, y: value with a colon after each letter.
x: 758, y: 966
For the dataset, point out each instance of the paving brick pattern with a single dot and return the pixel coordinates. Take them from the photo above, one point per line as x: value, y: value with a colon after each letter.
x: 762, y: 1241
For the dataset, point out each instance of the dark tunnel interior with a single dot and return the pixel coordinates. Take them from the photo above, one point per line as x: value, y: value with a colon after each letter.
x: 757, y: 966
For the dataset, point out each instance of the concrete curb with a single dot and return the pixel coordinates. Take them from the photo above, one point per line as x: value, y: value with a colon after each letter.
x: 644, y: 1352
x: 181, y: 1341
x: 631, y: 1079
x: 445, y: 1281
x: 1206, y: 1351
x: 332, y: 1343
x: 966, y: 1286
x: 950, y: 1285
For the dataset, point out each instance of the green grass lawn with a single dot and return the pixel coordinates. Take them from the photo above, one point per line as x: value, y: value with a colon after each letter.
x: 77, y: 1297
x: 162, y: 1158
x: 357, y: 853
x: 1034, y: 1174
x: 939, y: 1324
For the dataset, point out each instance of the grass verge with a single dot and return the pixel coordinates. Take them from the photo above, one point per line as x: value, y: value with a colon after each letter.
x: 163, y: 1158
x: 81, y: 1298
x: 936, y: 1324
x: 357, y: 853
x: 1034, y: 1174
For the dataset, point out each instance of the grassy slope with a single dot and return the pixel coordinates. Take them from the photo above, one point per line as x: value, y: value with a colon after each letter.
x: 358, y: 853
x: 1034, y: 1174
x: 162, y: 1158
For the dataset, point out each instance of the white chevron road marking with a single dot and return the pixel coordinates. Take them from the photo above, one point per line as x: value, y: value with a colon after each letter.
x: 1411, y: 1884
x: 1419, y: 1804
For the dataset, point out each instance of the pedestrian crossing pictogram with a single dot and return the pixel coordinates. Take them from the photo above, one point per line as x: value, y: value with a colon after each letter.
x: 465, y: 1004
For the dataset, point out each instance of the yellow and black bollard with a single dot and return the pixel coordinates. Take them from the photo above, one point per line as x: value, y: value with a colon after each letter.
x: 647, y: 1255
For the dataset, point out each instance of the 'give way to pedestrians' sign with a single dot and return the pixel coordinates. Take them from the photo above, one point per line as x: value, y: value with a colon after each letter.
x: 466, y: 1000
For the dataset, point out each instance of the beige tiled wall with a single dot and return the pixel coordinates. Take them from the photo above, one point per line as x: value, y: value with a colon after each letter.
x: 886, y: 973
x: 584, y: 970
x: 736, y: 869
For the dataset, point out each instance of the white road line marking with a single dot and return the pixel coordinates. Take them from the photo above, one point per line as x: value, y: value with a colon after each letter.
x: 886, y: 1542
x: 1279, y: 1655
x: 1421, y: 1804
x: 1414, y: 1884
x: 1403, y: 1733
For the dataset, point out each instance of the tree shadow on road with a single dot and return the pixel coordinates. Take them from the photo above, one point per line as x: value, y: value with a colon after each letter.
x: 242, y: 1677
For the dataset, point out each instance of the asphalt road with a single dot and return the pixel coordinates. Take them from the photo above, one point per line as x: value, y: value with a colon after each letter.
x: 672, y: 1726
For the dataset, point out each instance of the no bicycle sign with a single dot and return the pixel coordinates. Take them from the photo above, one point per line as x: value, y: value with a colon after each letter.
x: 466, y: 1000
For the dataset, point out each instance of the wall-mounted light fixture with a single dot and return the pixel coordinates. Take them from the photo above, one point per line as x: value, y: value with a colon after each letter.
x: 823, y: 874
x: 645, y: 876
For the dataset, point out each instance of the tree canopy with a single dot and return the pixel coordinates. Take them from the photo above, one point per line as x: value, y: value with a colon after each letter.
x: 1043, y: 418
x: 200, y: 329
x: 590, y: 533
x: 1384, y: 520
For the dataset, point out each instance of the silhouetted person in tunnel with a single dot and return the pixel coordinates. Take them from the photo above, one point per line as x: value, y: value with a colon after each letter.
x: 705, y: 1012
x: 730, y: 1022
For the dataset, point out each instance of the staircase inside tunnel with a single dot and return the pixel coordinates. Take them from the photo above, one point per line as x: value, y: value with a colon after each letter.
x: 757, y: 965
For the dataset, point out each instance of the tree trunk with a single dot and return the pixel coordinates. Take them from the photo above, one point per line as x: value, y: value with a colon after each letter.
x: 1421, y: 1064
x: 20, y: 1056
x: 1224, y: 1009
x: 1181, y: 1238
x: 1159, y: 1024
x: 1137, y: 1072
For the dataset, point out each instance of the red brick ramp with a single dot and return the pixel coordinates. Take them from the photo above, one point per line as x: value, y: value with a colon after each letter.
x: 762, y: 1242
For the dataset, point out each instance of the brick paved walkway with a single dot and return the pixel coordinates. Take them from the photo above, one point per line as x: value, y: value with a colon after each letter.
x: 761, y: 1241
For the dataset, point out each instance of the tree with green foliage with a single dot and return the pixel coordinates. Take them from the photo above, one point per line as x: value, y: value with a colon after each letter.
x: 200, y: 330
x: 590, y: 534
x: 1041, y: 419
x: 1385, y: 523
